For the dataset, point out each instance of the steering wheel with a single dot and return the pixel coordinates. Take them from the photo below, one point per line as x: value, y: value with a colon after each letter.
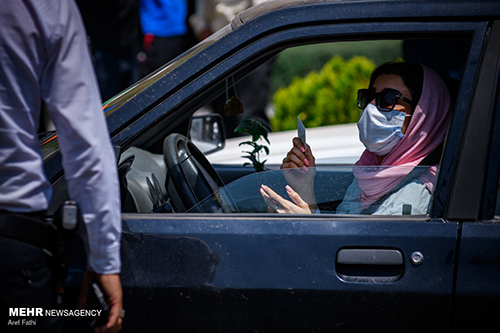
x: 191, y: 178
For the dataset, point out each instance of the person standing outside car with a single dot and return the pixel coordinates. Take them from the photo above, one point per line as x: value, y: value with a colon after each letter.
x: 404, y: 119
x: 44, y: 59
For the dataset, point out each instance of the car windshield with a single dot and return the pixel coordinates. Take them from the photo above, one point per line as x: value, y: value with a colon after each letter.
x: 337, y: 190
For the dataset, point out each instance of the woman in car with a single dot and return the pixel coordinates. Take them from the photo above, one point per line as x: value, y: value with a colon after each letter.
x: 405, y: 116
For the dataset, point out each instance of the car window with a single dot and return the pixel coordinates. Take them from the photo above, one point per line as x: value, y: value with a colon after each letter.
x: 337, y: 192
x: 323, y: 93
x: 319, y: 83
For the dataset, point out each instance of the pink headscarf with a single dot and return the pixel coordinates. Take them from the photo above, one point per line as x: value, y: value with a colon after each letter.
x: 427, y: 129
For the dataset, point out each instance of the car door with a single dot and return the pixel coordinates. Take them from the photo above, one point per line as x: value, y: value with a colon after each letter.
x: 288, y: 274
x: 475, y: 201
x: 271, y: 272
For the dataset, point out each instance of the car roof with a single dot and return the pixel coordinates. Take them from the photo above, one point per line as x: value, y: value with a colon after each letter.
x: 379, y: 9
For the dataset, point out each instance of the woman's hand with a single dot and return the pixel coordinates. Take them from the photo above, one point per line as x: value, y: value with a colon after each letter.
x: 299, y: 157
x: 277, y: 204
x: 299, y: 166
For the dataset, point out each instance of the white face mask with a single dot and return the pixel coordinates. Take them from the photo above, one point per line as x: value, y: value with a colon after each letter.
x: 380, y: 131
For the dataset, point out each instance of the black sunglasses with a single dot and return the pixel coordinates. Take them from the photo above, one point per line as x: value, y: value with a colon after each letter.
x: 384, y: 100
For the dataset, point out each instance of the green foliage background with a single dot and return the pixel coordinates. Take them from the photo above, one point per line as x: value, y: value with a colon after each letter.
x: 318, y: 84
x: 324, y: 98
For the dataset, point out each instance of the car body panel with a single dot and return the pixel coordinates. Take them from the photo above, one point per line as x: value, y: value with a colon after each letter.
x: 478, y: 265
x: 477, y: 287
x: 284, y: 256
x: 271, y: 272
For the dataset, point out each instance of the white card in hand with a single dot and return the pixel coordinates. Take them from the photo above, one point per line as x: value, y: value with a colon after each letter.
x: 301, y: 132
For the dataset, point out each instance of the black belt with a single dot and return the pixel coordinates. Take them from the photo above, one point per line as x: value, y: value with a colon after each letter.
x: 29, y: 228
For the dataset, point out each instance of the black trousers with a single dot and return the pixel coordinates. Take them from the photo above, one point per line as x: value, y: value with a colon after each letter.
x: 161, y: 51
x: 26, y: 281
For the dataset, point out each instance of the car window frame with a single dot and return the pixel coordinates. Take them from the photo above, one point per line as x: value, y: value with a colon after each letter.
x: 470, y: 162
x: 491, y: 100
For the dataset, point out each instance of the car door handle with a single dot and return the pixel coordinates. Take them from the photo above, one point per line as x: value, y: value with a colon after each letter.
x: 369, y: 257
x: 369, y: 265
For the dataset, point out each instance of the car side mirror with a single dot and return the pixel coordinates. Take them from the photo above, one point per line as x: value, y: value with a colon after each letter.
x: 207, y: 132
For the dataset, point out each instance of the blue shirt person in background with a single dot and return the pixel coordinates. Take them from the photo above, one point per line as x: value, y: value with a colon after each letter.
x: 165, y: 30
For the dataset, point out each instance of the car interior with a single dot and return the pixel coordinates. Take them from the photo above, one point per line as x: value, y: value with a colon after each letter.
x: 164, y: 171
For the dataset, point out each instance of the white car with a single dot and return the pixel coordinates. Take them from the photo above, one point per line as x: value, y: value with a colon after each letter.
x: 337, y: 144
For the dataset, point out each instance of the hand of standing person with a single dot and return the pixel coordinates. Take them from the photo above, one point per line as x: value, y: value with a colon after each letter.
x: 111, y: 287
